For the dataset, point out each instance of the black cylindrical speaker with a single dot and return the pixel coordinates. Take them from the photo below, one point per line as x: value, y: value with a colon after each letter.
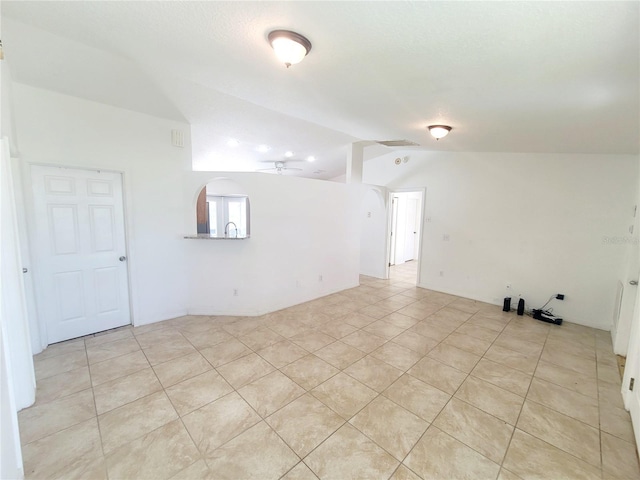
x: 521, y: 306
x: 506, y: 307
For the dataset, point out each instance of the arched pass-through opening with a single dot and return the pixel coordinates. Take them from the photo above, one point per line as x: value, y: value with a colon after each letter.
x: 222, y: 210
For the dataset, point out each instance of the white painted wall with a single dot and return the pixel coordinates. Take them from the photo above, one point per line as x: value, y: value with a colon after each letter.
x: 620, y: 336
x: 543, y: 223
x: 373, y: 236
x: 301, y: 229
x: 62, y: 130
x: 6, y: 107
x: 620, y: 333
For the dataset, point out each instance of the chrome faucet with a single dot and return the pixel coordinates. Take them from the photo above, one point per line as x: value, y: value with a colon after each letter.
x: 226, y: 232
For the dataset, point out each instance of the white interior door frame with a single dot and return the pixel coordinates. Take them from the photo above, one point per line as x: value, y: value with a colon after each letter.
x: 411, y: 229
x: 632, y: 371
x: 31, y: 224
x: 11, y: 449
x: 393, y: 232
x: 621, y: 327
x: 423, y: 195
x: 12, y: 292
x: 37, y: 344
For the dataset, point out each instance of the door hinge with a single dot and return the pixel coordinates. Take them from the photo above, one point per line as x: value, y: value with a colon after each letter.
x: 631, y: 382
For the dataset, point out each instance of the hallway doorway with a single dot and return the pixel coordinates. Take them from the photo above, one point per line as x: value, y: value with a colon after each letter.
x: 405, y: 228
x: 405, y: 272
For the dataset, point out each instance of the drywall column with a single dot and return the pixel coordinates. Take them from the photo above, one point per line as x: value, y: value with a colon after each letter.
x: 373, y: 234
x: 355, y: 159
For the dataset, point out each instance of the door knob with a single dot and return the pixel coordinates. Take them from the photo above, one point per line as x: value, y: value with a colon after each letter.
x: 633, y: 282
x: 122, y: 258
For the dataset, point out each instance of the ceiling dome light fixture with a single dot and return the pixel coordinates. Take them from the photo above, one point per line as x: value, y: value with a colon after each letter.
x: 290, y: 47
x: 439, y: 131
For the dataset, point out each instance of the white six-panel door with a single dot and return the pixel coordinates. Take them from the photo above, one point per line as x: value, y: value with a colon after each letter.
x: 81, y: 269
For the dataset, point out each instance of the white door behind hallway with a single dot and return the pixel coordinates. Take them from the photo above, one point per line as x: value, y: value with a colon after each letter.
x: 411, y: 227
x: 80, y: 269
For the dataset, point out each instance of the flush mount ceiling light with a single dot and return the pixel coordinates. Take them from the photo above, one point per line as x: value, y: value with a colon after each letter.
x: 288, y: 154
x: 263, y: 148
x: 439, y: 131
x: 290, y: 47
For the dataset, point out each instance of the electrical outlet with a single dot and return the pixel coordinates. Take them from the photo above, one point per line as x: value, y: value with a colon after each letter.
x: 445, y: 237
x: 235, y: 292
x: 319, y: 278
x: 441, y: 273
x: 368, y: 214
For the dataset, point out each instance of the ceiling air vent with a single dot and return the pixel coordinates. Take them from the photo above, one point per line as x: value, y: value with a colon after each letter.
x: 397, y: 143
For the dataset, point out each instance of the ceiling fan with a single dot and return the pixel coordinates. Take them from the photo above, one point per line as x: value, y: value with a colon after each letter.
x: 279, y: 167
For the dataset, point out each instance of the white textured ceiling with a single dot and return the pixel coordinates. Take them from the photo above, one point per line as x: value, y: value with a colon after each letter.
x: 508, y: 76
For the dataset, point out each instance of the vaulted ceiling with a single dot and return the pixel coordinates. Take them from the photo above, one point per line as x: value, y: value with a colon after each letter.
x: 556, y: 77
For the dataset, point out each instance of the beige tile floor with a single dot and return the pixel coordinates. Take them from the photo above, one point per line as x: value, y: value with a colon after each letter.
x: 385, y: 380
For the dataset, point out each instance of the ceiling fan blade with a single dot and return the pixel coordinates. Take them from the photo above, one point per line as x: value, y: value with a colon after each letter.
x: 288, y: 160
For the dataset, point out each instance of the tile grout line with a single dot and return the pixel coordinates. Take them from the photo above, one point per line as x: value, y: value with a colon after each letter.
x: 515, y: 426
x: 180, y: 418
x: 346, y: 421
x: 440, y: 411
x: 453, y: 396
x: 550, y: 444
x: 378, y: 394
x: 95, y: 406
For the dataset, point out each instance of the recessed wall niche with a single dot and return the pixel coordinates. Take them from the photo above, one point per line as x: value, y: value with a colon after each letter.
x: 223, y: 211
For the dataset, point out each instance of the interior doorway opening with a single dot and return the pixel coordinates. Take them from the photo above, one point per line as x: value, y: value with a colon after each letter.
x: 405, y: 229
x: 407, y: 272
